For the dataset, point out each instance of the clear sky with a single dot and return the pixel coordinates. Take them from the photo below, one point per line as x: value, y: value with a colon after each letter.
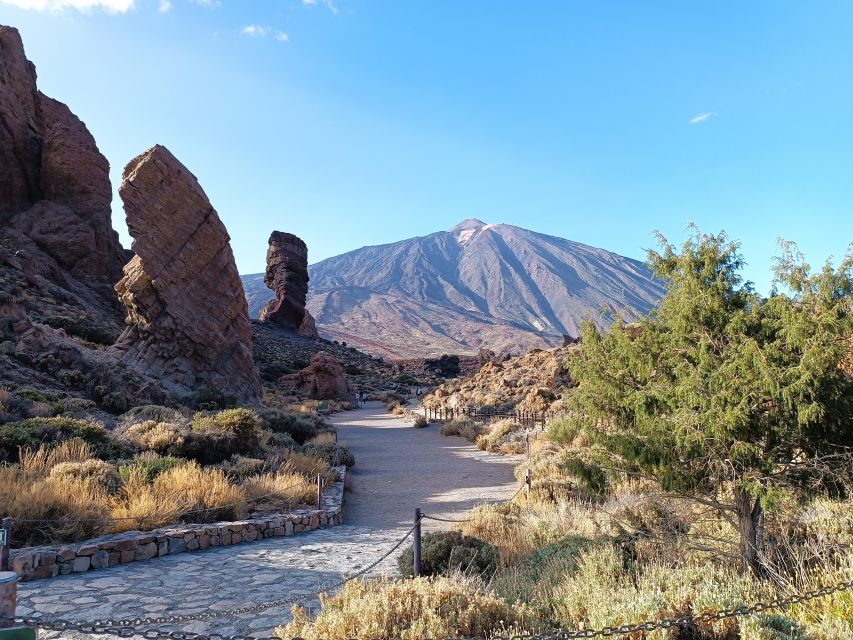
x: 355, y: 122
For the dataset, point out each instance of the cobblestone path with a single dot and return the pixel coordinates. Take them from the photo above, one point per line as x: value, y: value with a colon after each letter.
x: 397, y: 469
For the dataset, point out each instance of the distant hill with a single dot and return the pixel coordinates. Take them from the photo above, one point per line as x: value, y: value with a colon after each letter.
x: 478, y: 284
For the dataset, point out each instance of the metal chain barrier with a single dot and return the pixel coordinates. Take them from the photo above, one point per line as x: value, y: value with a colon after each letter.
x: 125, y: 630
x: 131, y: 628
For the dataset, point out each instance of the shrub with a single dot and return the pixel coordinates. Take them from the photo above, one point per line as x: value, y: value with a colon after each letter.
x: 328, y: 452
x: 489, y: 439
x: 223, y: 434
x: 77, y: 510
x: 115, y: 402
x: 149, y: 435
x: 84, y: 328
x: 209, y: 398
x: 35, y: 431
x: 277, y: 443
x: 275, y: 492
x: 352, y: 370
x: 148, y: 465
x: 446, y: 551
x: 104, y: 474
x: 299, y: 364
x: 40, y: 461
x: 239, y: 468
x: 272, y: 372
x: 301, y: 426
x: 420, y: 422
x: 153, y: 412
x: 409, y: 609
x: 185, y: 492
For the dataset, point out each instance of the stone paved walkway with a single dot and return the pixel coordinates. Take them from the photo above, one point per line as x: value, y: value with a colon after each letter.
x: 397, y: 469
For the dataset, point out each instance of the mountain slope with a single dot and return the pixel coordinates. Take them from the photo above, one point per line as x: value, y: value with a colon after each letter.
x: 498, y: 286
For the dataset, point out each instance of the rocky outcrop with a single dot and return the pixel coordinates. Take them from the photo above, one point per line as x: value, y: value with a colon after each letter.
x: 54, y: 186
x: 187, y: 316
x: 287, y: 276
x: 308, y: 328
x: 323, y: 379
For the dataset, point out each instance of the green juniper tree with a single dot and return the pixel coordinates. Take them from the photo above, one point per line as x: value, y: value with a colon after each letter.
x: 722, y: 395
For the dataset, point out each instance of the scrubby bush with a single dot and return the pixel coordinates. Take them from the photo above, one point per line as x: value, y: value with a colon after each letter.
x: 209, y: 398
x: 283, y: 490
x: 300, y: 426
x: 462, y: 427
x: 329, y: 452
x: 448, y: 551
x: 85, y: 328
x: 154, y: 412
x: 115, y: 402
x: 239, y: 468
x: 104, y: 474
x: 35, y: 431
x: 148, y: 465
x: 150, y: 435
x: 409, y: 609
x: 352, y: 370
x: 420, y: 422
x: 223, y: 434
x: 276, y: 443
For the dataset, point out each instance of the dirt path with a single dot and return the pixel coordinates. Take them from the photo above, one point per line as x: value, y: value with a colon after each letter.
x: 397, y: 469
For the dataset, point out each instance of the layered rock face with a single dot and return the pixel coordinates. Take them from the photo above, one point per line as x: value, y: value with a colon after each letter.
x: 54, y: 186
x: 323, y: 379
x: 187, y: 317
x: 287, y: 276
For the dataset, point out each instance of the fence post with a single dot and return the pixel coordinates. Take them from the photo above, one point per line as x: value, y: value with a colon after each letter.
x: 5, y: 541
x: 8, y: 597
x: 416, y: 564
x: 319, y: 491
x: 528, y: 481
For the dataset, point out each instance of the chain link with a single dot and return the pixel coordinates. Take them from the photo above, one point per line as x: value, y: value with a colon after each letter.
x: 129, y: 628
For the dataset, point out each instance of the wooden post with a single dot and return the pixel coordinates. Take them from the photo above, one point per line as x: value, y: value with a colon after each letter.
x: 8, y: 598
x: 528, y: 481
x: 319, y: 491
x: 416, y: 547
x: 5, y: 541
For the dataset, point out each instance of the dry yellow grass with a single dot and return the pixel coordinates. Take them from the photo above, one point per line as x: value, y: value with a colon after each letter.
x: 153, y: 436
x: 40, y: 461
x: 74, y: 504
x: 174, y: 494
x: 272, y: 492
x: 308, y: 466
x: 323, y: 438
x: 409, y: 609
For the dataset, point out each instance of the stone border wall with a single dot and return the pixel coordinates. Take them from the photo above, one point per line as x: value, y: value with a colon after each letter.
x: 33, y: 563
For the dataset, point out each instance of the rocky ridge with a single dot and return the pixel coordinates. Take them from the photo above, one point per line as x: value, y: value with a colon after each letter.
x: 534, y: 382
x: 187, y: 318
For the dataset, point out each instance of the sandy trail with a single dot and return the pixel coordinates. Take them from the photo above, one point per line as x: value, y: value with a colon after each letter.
x: 397, y: 469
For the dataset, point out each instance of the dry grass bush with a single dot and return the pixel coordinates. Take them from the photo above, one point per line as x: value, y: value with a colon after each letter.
x: 151, y: 435
x: 308, y: 466
x: 186, y: 492
x: 76, y: 505
x: 103, y: 474
x: 439, y: 607
x: 324, y: 438
x: 463, y: 428
x: 495, y: 432
x: 420, y: 422
x: 41, y: 460
x: 274, y: 492
x: 42, y: 410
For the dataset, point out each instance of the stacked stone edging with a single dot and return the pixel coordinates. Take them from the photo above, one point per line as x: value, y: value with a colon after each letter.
x: 33, y: 563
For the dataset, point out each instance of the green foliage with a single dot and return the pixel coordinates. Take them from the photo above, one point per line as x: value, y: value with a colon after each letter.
x: 352, y: 370
x: 224, y: 434
x: 406, y: 378
x: 84, y: 328
x: 300, y: 426
x: 154, y: 412
x: 35, y: 431
x: 149, y: 465
x: 720, y: 387
x: 272, y: 372
x: 328, y: 451
x: 239, y: 468
x: 446, y: 551
x: 115, y: 402
x: 209, y: 398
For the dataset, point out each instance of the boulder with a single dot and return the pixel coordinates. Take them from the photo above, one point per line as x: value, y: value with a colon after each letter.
x: 323, y: 379
x: 187, y: 318
x: 55, y: 189
x: 287, y: 276
x: 308, y: 328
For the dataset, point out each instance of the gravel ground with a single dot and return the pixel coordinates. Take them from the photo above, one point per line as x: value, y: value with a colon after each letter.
x: 397, y: 469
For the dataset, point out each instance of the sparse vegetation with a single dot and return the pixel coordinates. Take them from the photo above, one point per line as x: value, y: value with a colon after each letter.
x: 447, y: 552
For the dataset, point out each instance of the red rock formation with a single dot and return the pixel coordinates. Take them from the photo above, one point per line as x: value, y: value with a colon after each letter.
x: 54, y: 185
x: 187, y: 313
x: 323, y: 379
x: 287, y: 275
x: 308, y: 328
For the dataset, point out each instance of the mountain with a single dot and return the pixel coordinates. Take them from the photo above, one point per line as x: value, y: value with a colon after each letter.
x: 476, y: 285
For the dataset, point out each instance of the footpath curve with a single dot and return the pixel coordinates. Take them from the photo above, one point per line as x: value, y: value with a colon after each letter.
x: 397, y: 469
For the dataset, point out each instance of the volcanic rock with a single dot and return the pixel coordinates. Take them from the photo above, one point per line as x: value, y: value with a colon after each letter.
x: 308, y: 328
x: 187, y: 316
x: 54, y: 186
x: 323, y: 379
x: 287, y: 275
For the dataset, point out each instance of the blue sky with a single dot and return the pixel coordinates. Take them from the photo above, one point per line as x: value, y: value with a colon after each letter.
x: 354, y: 122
